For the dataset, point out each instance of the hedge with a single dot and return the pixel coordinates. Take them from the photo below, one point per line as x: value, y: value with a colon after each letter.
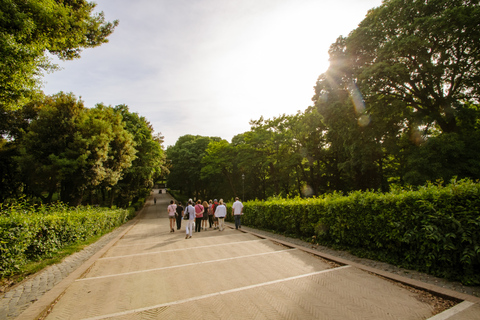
x: 30, y: 233
x: 435, y: 229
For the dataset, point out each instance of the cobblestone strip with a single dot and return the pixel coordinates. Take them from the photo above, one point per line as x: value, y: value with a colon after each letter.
x: 20, y: 297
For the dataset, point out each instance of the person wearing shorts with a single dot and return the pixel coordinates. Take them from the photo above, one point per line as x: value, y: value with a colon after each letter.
x: 205, y: 215
x: 172, y: 209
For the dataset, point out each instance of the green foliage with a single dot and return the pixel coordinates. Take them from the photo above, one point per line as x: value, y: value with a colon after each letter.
x: 185, y: 160
x: 30, y: 233
x: 422, y: 53
x: 444, y: 157
x: 30, y: 29
x: 433, y: 229
x: 74, y: 148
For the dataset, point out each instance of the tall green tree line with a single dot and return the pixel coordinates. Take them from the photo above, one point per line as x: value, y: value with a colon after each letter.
x: 52, y: 146
x: 399, y: 104
x: 56, y: 146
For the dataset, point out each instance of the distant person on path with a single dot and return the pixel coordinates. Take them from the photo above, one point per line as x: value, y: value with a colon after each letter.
x: 154, y: 200
x: 210, y: 213
x: 215, y: 219
x: 179, y: 215
x: 198, y: 216
x: 205, y: 215
x: 237, y: 210
x: 189, y: 217
x: 220, y: 213
x: 172, y: 209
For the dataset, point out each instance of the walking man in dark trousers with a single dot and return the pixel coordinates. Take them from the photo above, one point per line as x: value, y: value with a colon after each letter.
x: 237, y: 209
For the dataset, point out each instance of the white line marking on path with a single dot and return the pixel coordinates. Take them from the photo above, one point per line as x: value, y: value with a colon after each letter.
x: 212, y: 295
x: 452, y: 311
x: 172, y: 240
x: 184, y: 265
x: 180, y: 249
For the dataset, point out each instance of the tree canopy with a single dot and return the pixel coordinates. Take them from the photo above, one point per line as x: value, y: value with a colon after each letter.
x: 399, y: 104
x: 31, y: 30
x: 422, y: 53
x: 58, y: 146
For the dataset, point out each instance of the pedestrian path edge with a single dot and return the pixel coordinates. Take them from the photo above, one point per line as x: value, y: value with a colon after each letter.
x: 436, y: 290
x: 41, y: 307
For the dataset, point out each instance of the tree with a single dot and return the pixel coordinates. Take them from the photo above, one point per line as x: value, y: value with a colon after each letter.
x: 47, y: 137
x: 423, y: 53
x: 73, y: 149
x: 220, y: 160
x: 185, y: 159
x: 149, y: 163
x: 31, y: 29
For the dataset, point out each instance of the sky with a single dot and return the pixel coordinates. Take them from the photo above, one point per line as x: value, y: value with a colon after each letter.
x: 209, y: 67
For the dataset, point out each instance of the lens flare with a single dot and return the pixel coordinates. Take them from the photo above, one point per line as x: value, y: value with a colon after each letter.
x: 359, y: 105
x: 307, y: 191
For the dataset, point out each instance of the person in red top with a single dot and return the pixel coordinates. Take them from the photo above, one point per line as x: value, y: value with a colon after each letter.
x: 198, y: 216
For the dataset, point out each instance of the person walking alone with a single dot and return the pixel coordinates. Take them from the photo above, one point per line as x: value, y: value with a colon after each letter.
x: 189, y: 218
x: 237, y: 209
x: 220, y: 213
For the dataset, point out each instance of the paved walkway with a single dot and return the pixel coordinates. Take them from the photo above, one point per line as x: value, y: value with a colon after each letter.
x: 146, y: 272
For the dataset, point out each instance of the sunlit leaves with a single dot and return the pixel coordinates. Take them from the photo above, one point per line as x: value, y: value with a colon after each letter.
x: 30, y: 29
x: 424, y: 53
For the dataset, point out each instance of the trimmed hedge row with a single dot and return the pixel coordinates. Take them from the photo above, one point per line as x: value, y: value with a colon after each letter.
x: 435, y: 229
x: 28, y: 233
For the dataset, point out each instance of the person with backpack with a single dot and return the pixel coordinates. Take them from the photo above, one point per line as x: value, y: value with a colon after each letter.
x: 189, y: 218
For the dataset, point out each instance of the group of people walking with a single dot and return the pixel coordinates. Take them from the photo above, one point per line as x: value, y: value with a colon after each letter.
x: 198, y: 215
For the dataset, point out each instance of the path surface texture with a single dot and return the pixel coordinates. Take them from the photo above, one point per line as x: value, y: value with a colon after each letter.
x: 148, y: 272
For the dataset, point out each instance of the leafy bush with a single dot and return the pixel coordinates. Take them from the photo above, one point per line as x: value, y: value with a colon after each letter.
x: 435, y: 229
x: 28, y: 233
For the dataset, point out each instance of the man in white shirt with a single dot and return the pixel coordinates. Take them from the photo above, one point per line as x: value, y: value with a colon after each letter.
x: 237, y: 209
x: 220, y: 213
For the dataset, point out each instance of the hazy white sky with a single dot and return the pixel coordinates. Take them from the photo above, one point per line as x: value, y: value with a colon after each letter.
x: 208, y: 67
